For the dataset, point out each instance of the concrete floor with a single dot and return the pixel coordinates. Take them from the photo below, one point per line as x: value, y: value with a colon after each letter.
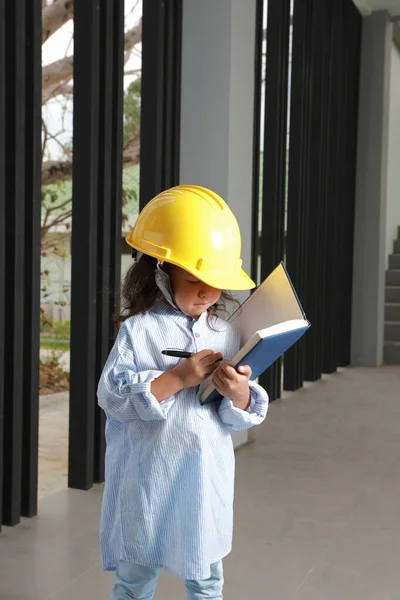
x: 317, y: 508
x: 53, y: 443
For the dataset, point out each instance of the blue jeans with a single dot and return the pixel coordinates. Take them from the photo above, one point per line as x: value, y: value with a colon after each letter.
x: 133, y: 582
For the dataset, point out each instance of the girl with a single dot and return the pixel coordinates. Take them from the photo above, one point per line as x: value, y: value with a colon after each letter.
x: 168, y: 497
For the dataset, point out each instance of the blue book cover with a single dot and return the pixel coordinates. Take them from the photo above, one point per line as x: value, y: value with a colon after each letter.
x: 269, y: 322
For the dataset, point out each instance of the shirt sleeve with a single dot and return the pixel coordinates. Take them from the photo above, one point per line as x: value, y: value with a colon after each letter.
x: 124, y: 393
x: 238, y: 419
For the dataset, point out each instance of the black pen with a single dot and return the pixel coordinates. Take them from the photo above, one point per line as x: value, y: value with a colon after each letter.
x: 178, y: 353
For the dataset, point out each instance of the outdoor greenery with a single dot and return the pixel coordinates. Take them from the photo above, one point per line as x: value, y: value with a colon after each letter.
x: 132, y: 109
x: 55, y: 341
x: 57, y: 160
x: 55, y: 336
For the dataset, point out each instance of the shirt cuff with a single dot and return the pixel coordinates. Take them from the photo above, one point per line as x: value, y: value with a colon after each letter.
x: 259, y: 400
x: 238, y: 419
x: 250, y: 408
x: 146, y: 404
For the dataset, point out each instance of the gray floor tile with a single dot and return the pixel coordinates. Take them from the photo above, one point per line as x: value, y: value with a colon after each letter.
x: 317, y: 510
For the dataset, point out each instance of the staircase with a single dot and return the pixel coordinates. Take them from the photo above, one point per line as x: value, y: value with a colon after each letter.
x: 391, y: 352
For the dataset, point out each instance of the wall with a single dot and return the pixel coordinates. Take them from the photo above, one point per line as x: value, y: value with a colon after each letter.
x: 241, y: 101
x: 217, y: 103
x: 371, y: 194
x: 393, y: 190
x: 217, y: 107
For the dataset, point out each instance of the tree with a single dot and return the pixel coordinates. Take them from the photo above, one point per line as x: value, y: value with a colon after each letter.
x: 57, y: 85
x: 56, y: 82
x: 132, y: 110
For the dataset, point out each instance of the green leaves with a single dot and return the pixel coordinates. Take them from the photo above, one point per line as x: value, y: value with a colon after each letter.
x: 132, y: 106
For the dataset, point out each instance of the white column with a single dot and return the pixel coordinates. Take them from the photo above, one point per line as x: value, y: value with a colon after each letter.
x: 217, y: 106
x: 371, y: 195
x: 393, y: 209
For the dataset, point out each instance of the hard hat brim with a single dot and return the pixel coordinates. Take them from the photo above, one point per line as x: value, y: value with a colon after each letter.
x: 219, y: 280
x: 228, y: 281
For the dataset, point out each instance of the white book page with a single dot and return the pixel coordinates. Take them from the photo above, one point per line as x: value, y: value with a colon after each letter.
x: 283, y: 327
x: 272, y: 303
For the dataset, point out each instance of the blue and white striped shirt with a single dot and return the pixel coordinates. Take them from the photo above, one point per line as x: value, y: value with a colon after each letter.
x: 168, y: 497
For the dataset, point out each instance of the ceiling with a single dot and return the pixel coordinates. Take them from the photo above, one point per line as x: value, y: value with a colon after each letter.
x: 366, y: 7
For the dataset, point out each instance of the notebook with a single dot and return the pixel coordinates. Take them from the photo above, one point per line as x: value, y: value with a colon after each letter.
x: 269, y: 322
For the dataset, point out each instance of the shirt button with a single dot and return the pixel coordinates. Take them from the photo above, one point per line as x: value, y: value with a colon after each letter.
x: 197, y: 334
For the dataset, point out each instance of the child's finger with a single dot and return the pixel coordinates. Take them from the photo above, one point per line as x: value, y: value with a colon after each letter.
x: 210, y: 369
x: 245, y: 370
x: 217, y: 379
x: 203, y: 354
x: 222, y: 381
x: 228, y: 371
x: 210, y: 359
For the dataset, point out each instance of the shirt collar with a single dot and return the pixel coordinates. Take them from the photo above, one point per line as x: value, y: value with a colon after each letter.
x: 161, y: 307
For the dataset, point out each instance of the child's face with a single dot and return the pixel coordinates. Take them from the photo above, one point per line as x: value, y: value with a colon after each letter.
x: 191, y: 295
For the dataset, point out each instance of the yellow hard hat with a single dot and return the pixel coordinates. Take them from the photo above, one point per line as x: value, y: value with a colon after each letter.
x: 193, y: 228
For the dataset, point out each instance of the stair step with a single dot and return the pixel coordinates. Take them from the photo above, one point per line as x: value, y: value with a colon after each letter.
x: 392, y: 312
x: 394, y: 261
x: 393, y: 277
x: 391, y: 353
x: 392, y: 294
x: 396, y: 246
x: 392, y: 331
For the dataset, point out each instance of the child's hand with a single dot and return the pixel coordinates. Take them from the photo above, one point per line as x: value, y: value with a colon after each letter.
x: 197, y: 368
x: 234, y: 384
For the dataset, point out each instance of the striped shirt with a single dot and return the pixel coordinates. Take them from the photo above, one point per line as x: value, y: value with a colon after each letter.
x: 168, y: 496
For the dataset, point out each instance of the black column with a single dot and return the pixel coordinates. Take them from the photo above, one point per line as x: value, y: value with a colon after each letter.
x: 341, y: 137
x: 2, y: 237
x: 160, y: 112
x: 96, y: 224
x: 335, y: 137
x: 315, y: 249
x: 299, y: 174
x: 84, y: 243
x: 33, y: 198
x: 256, y: 187
x: 110, y: 209
x: 15, y: 250
x: 275, y: 157
x: 323, y: 136
x: 21, y: 124
x: 347, y: 154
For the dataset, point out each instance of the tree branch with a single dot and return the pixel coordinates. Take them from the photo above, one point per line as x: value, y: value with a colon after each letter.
x: 50, y: 209
x: 53, y: 171
x: 62, y: 70
x: 43, y: 228
x: 131, y: 154
x: 55, y: 16
x: 133, y: 36
x: 59, y: 220
x: 44, y: 139
x: 56, y: 72
x: 57, y: 141
x: 56, y: 170
x: 62, y: 89
x: 133, y: 72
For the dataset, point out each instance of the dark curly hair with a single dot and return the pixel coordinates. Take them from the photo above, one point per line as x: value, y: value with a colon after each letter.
x: 140, y: 291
